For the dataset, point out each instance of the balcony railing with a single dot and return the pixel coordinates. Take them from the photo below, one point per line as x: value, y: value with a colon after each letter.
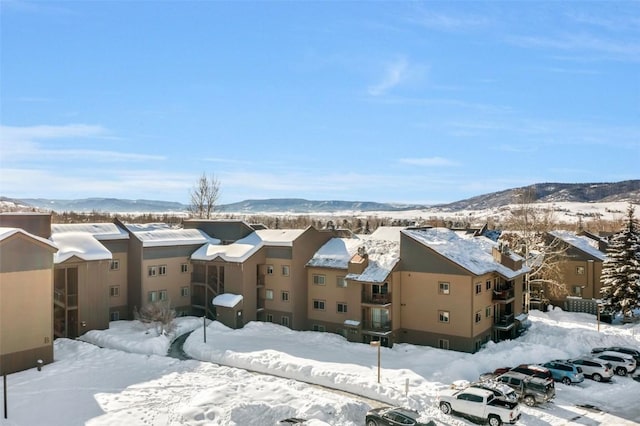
x: 505, y: 320
x: 504, y: 293
x: 376, y: 298
x: 377, y: 325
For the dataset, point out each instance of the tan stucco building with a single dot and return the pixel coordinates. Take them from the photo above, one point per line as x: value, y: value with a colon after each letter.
x: 26, y: 299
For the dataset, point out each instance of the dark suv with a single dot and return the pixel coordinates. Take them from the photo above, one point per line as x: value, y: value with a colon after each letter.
x: 531, y: 390
x: 533, y: 370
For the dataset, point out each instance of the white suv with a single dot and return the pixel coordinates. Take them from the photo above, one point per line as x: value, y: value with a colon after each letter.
x: 623, y: 364
x: 595, y: 369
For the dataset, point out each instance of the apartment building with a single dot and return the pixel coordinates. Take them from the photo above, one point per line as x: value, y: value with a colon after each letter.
x: 266, y: 268
x: 581, y: 264
x: 115, y: 240
x: 158, y: 264
x: 333, y: 304
x: 81, y: 292
x: 26, y: 297
x: 457, y: 293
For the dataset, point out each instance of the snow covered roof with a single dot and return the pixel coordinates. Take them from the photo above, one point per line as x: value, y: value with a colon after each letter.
x: 336, y: 253
x: 390, y: 233
x: 227, y: 300
x: 586, y: 244
x: 242, y: 249
x: 101, y: 231
x: 6, y: 232
x: 279, y: 237
x: 473, y: 254
x: 162, y: 235
x: 80, y: 244
x: 382, y: 256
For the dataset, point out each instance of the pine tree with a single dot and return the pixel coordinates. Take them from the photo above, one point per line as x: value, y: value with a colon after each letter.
x: 621, y: 270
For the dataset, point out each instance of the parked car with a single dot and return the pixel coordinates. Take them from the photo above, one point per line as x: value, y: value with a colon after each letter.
x: 594, y: 369
x: 530, y: 390
x: 394, y: 416
x: 635, y: 353
x: 500, y: 390
x: 533, y: 370
x: 478, y: 404
x: 565, y: 372
x: 622, y: 364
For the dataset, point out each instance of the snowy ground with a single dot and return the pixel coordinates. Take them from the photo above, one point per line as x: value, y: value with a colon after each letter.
x: 130, y: 382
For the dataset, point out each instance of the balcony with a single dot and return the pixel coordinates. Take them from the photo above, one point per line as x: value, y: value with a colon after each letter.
x: 379, y: 326
x: 504, y: 294
x: 376, y: 299
x: 504, y: 322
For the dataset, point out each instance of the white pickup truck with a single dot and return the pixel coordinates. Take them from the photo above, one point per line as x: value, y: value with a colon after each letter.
x: 479, y: 404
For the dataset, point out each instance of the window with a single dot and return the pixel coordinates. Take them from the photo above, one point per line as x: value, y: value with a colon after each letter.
x: 443, y: 343
x: 284, y: 321
x: 152, y: 296
x: 443, y: 288
x: 577, y: 290
x: 318, y: 279
x: 114, y: 265
x: 285, y: 270
x: 114, y: 291
x: 269, y: 270
x: 318, y: 327
x: 318, y: 305
x: 285, y: 296
x: 269, y: 318
x: 153, y: 271
x: 114, y: 316
x: 342, y: 308
x: 341, y: 282
x: 580, y: 270
x: 488, y: 285
x: 184, y: 268
x: 184, y: 291
x: 162, y: 270
x: 487, y: 311
x: 444, y: 316
x: 478, y: 288
x: 162, y: 295
x: 268, y: 294
x: 478, y: 316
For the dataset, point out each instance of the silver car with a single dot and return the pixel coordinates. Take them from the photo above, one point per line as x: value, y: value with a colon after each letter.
x: 623, y: 364
x: 595, y: 369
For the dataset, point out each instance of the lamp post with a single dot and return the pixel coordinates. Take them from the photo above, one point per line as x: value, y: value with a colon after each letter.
x: 204, y: 327
x: 377, y: 343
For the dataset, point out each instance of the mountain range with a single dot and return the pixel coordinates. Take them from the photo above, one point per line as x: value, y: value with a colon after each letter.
x: 626, y: 191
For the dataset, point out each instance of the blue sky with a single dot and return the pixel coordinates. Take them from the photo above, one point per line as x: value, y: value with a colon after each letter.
x: 417, y: 102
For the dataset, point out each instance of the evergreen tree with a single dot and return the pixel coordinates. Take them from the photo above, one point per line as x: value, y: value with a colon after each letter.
x: 621, y: 269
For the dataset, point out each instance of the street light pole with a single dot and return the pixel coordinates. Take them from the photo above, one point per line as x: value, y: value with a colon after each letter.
x: 377, y: 343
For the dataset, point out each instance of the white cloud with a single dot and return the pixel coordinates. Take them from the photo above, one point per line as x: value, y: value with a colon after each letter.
x: 583, y: 43
x: 24, y: 144
x: 443, y: 22
x: 395, y: 74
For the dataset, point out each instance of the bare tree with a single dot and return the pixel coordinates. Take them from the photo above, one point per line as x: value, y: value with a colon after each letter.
x: 204, y: 196
x: 157, y: 314
x: 530, y: 238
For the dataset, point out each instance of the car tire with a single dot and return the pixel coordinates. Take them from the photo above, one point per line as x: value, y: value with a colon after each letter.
x: 529, y: 401
x: 621, y: 371
x: 596, y: 377
x: 494, y: 421
x: 445, y: 407
x: 566, y: 381
x: 371, y: 422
